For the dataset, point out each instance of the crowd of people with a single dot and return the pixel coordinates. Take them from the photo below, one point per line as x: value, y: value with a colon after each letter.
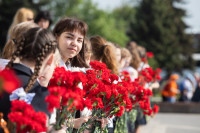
x: 186, y: 90
x: 33, y: 52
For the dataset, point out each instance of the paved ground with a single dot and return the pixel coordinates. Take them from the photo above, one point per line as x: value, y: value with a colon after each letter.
x: 173, y: 123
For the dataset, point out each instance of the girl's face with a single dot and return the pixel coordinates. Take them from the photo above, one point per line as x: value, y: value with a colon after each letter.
x: 43, y: 23
x: 70, y: 44
x: 118, y: 54
x: 125, y: 62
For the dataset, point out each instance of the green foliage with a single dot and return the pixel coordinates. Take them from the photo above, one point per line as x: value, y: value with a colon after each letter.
x: 159, y: 28
x: 99, y: 22
x: 124, y: 15
x: 153, y: 63
x: 155, y: 24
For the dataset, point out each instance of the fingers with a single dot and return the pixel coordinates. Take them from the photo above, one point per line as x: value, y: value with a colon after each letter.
x: 104, y: 122
x: 85, y: 119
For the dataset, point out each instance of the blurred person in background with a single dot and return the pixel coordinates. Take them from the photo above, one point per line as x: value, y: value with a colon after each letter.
x: 125, y: 64
x: 17, y: 31
x: 142, y: 53
x: 88, y: 49
x: 170, y: 90
x: 43, y: 19
x: 22, y: 15
x: 135, y: 60
x: 10, y: 47
x: 196, y: 96
x: 187, y: 88
x: 117, y: 52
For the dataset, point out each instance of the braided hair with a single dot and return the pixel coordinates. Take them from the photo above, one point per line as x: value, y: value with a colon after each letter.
x: 35, y: 45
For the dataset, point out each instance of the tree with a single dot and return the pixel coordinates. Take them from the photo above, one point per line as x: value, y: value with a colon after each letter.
x: 99, y: 22
x: 8, y: 9
x: 159, y: 28
x: 124, y: 15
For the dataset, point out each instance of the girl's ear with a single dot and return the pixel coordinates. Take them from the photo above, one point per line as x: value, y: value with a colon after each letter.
x: 50, y: 59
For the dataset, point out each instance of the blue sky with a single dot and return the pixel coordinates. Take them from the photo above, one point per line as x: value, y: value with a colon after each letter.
x: 192, y: 8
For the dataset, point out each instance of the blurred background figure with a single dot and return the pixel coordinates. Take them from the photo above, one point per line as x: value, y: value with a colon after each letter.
x: 88, y: 50
x: 117, y: 52
x: 196, y: 95
x: 17, y: 31
x: 10, y: 47
x: 170, y: 90
x: 135, y: 60
x: 22, y: 15
x: 187, y: 88
x: 43, y: 19
x: 125, y: 64
x: 142, y: 53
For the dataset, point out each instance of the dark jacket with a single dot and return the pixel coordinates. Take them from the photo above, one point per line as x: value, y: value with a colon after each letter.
x: 38, y: 102
x: 196, y: 95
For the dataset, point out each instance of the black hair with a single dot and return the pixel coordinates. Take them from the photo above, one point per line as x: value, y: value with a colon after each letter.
x: 45, y: 15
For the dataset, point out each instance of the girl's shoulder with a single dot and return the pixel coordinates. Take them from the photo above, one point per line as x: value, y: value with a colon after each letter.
x: 24, y: 73
x: 129, y: 69
x: 71, y: 68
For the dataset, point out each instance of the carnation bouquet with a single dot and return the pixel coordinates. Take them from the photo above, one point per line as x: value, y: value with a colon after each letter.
x: 25, y: 119
x: 97, y: 90
x: 66, y: 96
x: 108, y: 97
x: 139, y: 94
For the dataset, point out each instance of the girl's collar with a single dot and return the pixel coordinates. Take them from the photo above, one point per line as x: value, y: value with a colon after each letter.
x: 66, y: 66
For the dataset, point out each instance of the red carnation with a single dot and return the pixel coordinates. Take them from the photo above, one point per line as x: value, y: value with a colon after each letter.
x: 155, y: 109
x: 98, y: 65
x: 149, y: 54
x: 120, y: 112
x: 9, y: 81
x: 26, y: 119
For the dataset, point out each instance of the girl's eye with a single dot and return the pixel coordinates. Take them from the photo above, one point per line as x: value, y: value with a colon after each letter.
x: 69, y: 37
x: 80, y: 41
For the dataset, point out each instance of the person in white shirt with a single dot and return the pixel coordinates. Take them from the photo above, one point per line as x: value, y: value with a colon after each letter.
x: 125, y: 64
x: 70, y: 34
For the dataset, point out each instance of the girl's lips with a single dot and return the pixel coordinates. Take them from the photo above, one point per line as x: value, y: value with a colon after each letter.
x: 72, y: 49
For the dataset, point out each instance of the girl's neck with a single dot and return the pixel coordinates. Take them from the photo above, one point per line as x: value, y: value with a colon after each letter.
x: 65, y: 59
x: 29, y: 64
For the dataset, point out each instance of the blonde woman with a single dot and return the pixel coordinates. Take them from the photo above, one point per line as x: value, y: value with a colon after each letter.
x: 22, y: 15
